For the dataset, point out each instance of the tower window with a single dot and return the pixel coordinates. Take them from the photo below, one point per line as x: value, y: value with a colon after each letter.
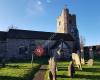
x: 59, y: 23
x: 70, y: 21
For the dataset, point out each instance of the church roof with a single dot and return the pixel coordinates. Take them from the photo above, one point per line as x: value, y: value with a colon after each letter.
x: 3, y: 35
x: 26, y: 34
x: 57, y: 43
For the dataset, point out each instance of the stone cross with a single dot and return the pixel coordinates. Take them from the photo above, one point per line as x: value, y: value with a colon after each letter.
x: 52, y: 69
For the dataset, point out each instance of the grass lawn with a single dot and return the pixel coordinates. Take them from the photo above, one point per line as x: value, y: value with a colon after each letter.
x: 88, y: 73
x: 18, y: 71
x: 21, y: 70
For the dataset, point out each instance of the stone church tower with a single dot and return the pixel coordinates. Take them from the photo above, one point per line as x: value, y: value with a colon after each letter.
x: 66, y: 23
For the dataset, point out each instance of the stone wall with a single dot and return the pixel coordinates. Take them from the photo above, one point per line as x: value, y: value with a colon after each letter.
x: 14, y: 46
x: 2, y: 49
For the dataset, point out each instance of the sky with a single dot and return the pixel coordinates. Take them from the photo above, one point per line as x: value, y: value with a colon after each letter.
x: 41, y: 15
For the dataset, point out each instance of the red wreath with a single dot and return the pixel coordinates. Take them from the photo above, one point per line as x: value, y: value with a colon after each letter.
x: 39, y: 51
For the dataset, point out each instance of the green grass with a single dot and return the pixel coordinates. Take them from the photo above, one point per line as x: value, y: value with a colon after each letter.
x: 88, y: 73
x: 18, y: 71
x: 21, y: 70
x: 92, y: 73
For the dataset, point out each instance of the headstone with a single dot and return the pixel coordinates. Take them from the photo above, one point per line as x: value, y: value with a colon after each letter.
x: 71, y: 70
x: 52, y: 69
x: 90, y: 62
x: 55, y: 58
x: 91, y: 53
x: 3, y: 62
x: 82, y: 57
x: 76, y: 59
x: 50, y: 77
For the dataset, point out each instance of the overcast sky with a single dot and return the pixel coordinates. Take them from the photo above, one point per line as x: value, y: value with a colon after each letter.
x: 40, y: 15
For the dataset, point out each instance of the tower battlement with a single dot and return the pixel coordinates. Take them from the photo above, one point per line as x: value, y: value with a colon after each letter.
x: 66, y: 23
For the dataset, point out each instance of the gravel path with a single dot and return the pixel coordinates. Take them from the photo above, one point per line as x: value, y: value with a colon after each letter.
x: 41, y: 73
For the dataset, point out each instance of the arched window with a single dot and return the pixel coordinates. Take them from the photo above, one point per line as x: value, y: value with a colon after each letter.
x: 23, y: 49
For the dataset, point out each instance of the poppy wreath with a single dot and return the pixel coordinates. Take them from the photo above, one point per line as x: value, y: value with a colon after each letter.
x: 39, y: 51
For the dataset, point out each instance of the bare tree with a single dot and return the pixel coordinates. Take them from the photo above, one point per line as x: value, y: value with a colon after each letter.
x: 12, y: 27
x: 82, y: 42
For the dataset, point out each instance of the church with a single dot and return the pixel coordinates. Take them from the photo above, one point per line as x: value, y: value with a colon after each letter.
x: 19, y: 44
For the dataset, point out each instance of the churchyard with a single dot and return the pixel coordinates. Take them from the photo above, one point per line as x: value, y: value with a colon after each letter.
x: 26, y: 71
x: 21, y: 70
x: 17, y: 71
x: 87, y: 73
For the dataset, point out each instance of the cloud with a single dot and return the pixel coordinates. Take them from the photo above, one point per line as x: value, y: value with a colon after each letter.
x: 48, y: 1
x: 35, y: 7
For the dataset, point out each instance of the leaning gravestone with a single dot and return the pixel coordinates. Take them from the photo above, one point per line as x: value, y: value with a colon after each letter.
x: 71, y: 69
x: 76, y: 59
x: 52, y: 69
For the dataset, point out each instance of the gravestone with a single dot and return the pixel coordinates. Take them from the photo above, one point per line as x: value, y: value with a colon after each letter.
x: 71, y: 69
x: 3, y: 62
x: 82, y: 57
x: 76, y: 59
x: 52, y: 69
x: 91, y: 53
x: 90, y: 61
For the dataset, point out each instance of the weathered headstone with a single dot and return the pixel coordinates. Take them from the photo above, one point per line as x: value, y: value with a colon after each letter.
x: 90, y: 61
x: 82, y: 57
x: 71, y: 69
x: 3, y: 62
x: 91, y: 53
x: 76, y: 59
x: 52, y: 69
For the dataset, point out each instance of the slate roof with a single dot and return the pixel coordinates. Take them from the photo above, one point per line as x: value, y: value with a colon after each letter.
x: 57, y: 43
x: 3, y: 36
x: 26, y: 34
